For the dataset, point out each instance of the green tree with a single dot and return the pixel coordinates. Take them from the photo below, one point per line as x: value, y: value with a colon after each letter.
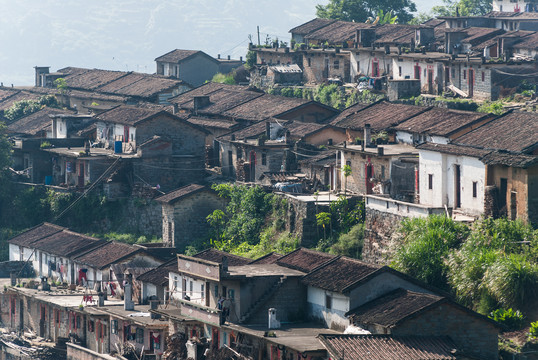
x: 346, y: 170
x: 61, y: 85
x: 361, y: 10
x: 224, y: 78
x: 323, y: 219
x: 250, y: 60
x: 463, y: 8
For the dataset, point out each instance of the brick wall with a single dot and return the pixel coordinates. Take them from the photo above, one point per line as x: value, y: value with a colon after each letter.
x: 471, y: 334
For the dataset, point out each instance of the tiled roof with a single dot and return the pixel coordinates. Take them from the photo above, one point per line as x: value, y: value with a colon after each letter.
x: 264, y: 107
x: 140, y: 85
x: 381, y: 116
x: 21, y: 95
x: 392, y: 308
x: 311, y: 26
x: 159, y: 275
x: 349, y: 111
x: 222, y: 100
x: 528, y: 42
x: 177, y: 194
x: 213, y: 123
x: 304, y: 260
x: 130, y: 115
x: 107, y: 254
x: 217, y: 255
x: 91, y: 79
x: 340, y: 274
x: 513, y: 132
x: 36, y: 122
x: 6, y: 93
x: 454, y: 149
x: 441, y: 121
x: 395, y: 33
x: 337, y: 32
x: 66, y: 243
x: 202, y: 90
x: 387, y: 347
x: 178, y: 55
x: 35, y: 233
x: 270, y: 258
x: 324, y: 158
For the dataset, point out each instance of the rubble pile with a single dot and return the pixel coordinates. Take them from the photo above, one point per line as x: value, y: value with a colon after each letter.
x: 175, y: 347
x: 28, y: 346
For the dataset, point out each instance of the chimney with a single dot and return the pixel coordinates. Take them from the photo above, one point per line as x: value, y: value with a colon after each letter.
x: 329, y: 142
x: 218, y: 56
x: 44, y: 284
x: 273, y: 322
x: 101, y: 301
x: 225, y: 263
x: 153, y: 305
x: 287, y: 137
x: 387, y: 49
x: 128, y: 303
x: 241, y: 59
x: 175, y: 109
x: 367, y: 135
x: 228, y: 57
x: 380, y: 151
x: 200, y: 102
x: 268, y: 130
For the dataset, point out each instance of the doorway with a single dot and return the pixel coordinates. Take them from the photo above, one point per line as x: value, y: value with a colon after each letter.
x: 81, y: 174
x: 457, y: 186
x: 430, y: 81
x: 502, y: 196
x: 471, y: 82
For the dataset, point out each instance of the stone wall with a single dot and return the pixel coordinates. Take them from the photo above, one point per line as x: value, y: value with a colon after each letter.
x: 379, y: 228
x: 301, y: 220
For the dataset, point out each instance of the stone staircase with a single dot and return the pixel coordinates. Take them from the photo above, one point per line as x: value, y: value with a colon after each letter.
x: 262, y: 299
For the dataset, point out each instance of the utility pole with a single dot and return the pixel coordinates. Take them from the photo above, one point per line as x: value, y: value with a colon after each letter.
x: 258, y: 35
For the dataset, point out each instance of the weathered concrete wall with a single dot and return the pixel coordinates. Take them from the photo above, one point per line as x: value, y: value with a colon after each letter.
x: 76, y: 352
x: 288, y: 302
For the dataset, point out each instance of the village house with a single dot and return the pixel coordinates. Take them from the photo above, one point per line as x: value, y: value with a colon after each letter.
x: 490, y: 170
x: 272, y: 146
x: 194, y: 67
x: 97, y: 90
x: 185, y: 212
x: 239, y: 305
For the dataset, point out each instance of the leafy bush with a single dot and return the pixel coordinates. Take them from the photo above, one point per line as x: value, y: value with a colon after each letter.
x: 425, y: 244
x: 493, y: 107
x: 509, y: 318
x: 533, y: 330
x: 351, y: 243
x: 224, y: 78
x: 23, y: 108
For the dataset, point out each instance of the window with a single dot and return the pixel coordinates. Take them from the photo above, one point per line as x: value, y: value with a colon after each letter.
x: 216, y: 291
x: 464, y: 74
x: 382, y: 171
x: 309, y: 62
x: 424, y: 72
x: 453, y: 71
x: 175, y: 283
x: 475, y: 189
x: 264, y: 159
x: 202, y: 291
x: 483, y: 76
x: 348, y: 163
x: 399, y: 71
x: 114, y: 326
x: 231, y: 294
x: 140, y: 335
x: 91, y: 326
x: 225, y: 338
x: 358, y: 66
x: 191, y: 286
x: 430, y: 181
x: 58, y: 316
x: 328, y: 301
x: 336, y: 64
